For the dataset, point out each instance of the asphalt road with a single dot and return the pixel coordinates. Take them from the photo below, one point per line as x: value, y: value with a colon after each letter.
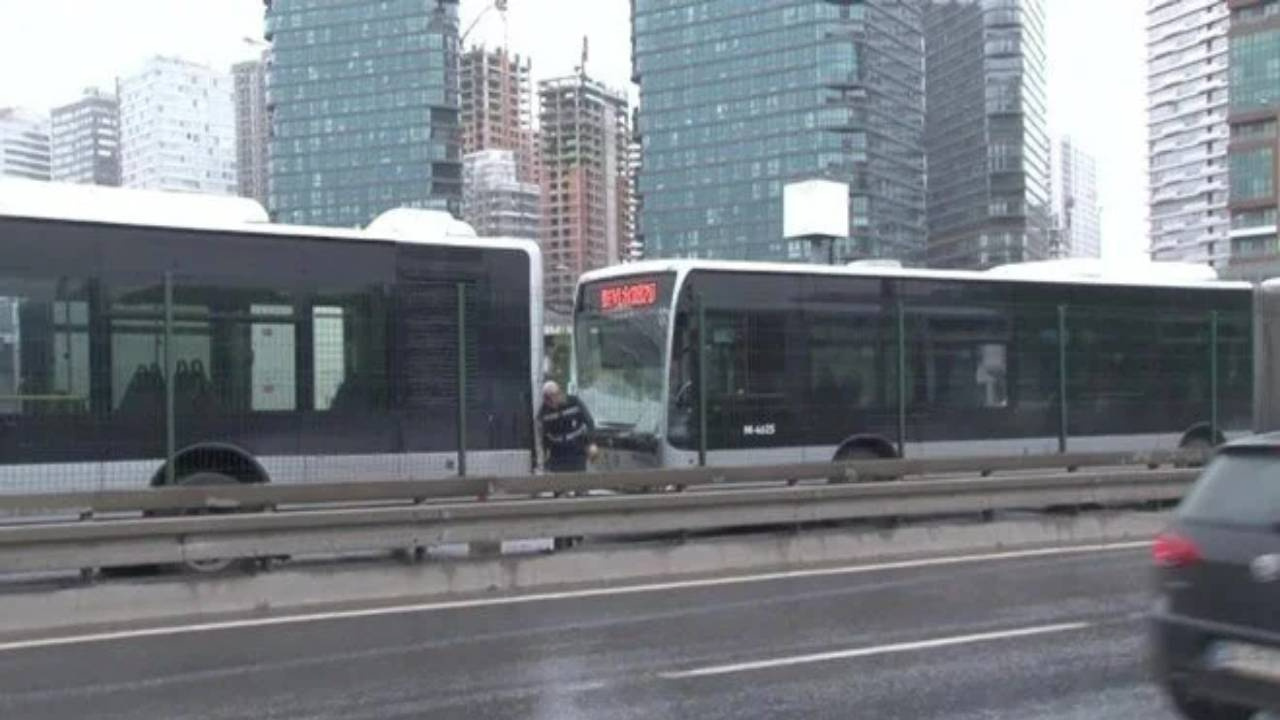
x: 1025, y: 638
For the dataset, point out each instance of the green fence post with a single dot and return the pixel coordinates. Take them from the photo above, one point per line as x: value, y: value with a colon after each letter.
x: 170, y: 431
x: 703, y: 339
x: 1213, y: 377
x: 902, y: 379
x: 1062, y: 378
x: 462, y: 379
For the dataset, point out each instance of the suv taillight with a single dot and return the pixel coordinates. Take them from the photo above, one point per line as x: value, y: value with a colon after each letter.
x: 1174, y: 551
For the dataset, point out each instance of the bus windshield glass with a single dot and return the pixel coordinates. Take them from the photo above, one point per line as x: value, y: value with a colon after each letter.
x: 620, y: 332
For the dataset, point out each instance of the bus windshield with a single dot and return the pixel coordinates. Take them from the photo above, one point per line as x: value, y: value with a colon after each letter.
x: 620, y: 336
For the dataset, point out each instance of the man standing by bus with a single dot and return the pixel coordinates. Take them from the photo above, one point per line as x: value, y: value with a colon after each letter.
x: 566, y: 430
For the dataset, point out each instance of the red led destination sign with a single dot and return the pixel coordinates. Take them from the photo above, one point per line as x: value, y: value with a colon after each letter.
x: 626, y: 297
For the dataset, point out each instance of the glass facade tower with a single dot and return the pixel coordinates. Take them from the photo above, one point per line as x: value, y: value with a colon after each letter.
x: 364, y: 108
x: 740, y: 97
x: 986, y: 132
x: 1254, y: 150
x: 253, y: 128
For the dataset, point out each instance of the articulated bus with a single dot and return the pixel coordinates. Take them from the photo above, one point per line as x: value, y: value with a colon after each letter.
x: 151, y: 337
x: 726, y: 363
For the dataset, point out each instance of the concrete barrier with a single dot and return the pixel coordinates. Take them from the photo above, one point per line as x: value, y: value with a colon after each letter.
x: 117, y: 604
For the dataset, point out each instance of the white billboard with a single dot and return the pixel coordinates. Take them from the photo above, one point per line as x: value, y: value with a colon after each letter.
x: 815, y: 208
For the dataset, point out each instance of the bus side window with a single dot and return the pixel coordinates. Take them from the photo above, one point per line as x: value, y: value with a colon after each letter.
x: 726, y: 358
x: 234, y: 349
x: 966, y: 360
x: 44, y: 348
x: 348, y: 354
x: 684, y: 369
x: 683, y: 381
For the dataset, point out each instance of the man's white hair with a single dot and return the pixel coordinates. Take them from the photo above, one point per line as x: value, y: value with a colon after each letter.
x: 550, y: 387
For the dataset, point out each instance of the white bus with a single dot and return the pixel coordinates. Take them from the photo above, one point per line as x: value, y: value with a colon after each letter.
x: 150, y: 337
x: 732, y: 363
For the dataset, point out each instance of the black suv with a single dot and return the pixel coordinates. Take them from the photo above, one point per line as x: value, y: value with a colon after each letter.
x: 1216, y: 626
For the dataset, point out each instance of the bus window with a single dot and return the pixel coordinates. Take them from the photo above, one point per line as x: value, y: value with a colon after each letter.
x: 44, y: 348
x: 965, y: 360
x: 846, y: 362
x: 233, y: 351
x: 328, y: 341
x: 9, y: 350
x: 966, y: 373
x: 348, y: 353
x: 747, y: 354
x: 272, y: 357
x: 683, y: 407
x: 620, y: 335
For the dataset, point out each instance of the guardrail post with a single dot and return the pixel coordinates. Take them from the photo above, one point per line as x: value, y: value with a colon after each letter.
x: 902, y: 379
x: 703, y: 339
x: 170, y: 431
x: 1062, y: 378
x: 1213, y: 377
x: 462, y: 379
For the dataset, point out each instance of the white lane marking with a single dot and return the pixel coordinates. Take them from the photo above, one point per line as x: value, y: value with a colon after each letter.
x: 565, y: 595
x: 714, y: 670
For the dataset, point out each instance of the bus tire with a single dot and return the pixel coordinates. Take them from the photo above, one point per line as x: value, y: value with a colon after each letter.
x: 1199, y: 438
x: 213, y: 463
x: 863, y: 448
x: 210, y: 479
x: 215, y: 459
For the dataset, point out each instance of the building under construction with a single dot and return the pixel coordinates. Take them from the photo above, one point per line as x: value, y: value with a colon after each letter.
x: 586, y: 186
x: 496, y: 106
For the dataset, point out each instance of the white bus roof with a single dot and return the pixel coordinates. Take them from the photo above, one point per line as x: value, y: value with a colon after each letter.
x: 218, y: 213
x: 1139, y: 275
x: 1120, y: 271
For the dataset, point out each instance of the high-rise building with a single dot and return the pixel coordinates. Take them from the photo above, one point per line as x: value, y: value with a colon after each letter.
x: 740, y: 97
x: 986, y: 133
x: 634, y: 249
x: 1077, y: 226
x: 24, y: 144
x: 1187, y: 129
x: 364, y: 108
x: 496, y: 101
x: 494, y: 200
x: 253, y: 128
x: 584, y: 130
x: 1254, y: 150
x: 177, y: 128
x: 85, y: 140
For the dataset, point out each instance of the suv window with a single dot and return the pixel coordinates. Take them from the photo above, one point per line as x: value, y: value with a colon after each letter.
x: 1236, y: 489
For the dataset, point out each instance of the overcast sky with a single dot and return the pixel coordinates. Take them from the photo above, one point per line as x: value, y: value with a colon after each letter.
x: 51, y: 49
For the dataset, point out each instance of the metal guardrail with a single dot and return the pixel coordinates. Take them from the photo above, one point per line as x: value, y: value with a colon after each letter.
x: 196, y: 538
x: 231, y: 497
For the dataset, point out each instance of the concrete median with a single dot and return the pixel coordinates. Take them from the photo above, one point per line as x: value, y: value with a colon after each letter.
x: 43, y: 610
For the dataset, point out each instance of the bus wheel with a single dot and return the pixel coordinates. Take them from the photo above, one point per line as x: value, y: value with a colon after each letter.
x: 1199, y: 439
x: 855, y: 454
x: 1194, y: 445
x: 209, y: 479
